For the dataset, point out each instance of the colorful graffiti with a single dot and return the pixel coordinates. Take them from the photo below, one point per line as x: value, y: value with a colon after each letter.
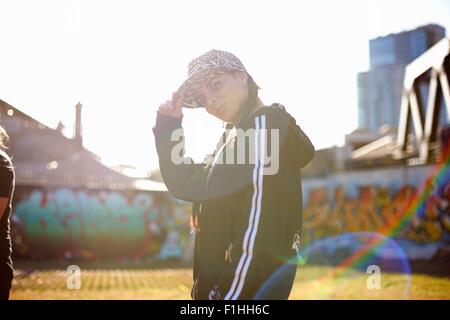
x: 70, y: 223
x: 376, y: 208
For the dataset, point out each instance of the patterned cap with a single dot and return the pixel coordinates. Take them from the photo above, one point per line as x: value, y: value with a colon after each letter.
x: 204, y: 68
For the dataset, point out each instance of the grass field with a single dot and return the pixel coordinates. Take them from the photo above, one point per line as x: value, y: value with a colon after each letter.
x: 138, y: 281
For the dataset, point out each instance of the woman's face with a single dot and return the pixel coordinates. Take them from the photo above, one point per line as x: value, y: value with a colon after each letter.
x: 224, y: 94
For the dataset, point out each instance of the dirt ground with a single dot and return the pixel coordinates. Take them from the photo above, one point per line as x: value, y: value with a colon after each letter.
x: 172, y: 280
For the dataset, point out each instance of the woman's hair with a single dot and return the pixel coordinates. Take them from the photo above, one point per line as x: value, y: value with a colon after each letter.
x: 252, y: 97
x: 3, y: 138
x: 252, y: 90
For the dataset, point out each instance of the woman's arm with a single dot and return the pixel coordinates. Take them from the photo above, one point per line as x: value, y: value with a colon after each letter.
x: 3, y: 204
x: 184, y: 179
x: 6, y: 181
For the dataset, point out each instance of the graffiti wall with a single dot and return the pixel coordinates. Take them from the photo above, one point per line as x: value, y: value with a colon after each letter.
x: 71, y: 223
x: 406, y: 203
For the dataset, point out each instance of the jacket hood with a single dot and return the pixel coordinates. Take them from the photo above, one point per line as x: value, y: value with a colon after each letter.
x: 302, y: 146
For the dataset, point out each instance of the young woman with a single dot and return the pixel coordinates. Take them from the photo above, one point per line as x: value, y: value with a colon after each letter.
x: 6, y: 192
x: 247, y: 210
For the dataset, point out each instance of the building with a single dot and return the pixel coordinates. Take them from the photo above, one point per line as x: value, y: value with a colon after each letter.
x: 380, y: 88
x: 68, y: 204
x: 44, y: 157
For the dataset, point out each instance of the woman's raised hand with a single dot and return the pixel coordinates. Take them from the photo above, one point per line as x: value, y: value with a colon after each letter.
x: 171, y: 107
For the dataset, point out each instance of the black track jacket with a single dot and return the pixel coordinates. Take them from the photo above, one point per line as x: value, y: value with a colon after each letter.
x: 248, y: 218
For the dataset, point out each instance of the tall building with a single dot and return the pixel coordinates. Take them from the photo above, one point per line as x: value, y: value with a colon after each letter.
x: 380, y: 88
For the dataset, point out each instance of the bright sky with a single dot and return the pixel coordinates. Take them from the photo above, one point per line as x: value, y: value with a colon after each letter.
x: 122, y: 59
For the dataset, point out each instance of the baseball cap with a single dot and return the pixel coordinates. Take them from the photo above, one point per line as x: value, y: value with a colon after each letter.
x: 203, y: 68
